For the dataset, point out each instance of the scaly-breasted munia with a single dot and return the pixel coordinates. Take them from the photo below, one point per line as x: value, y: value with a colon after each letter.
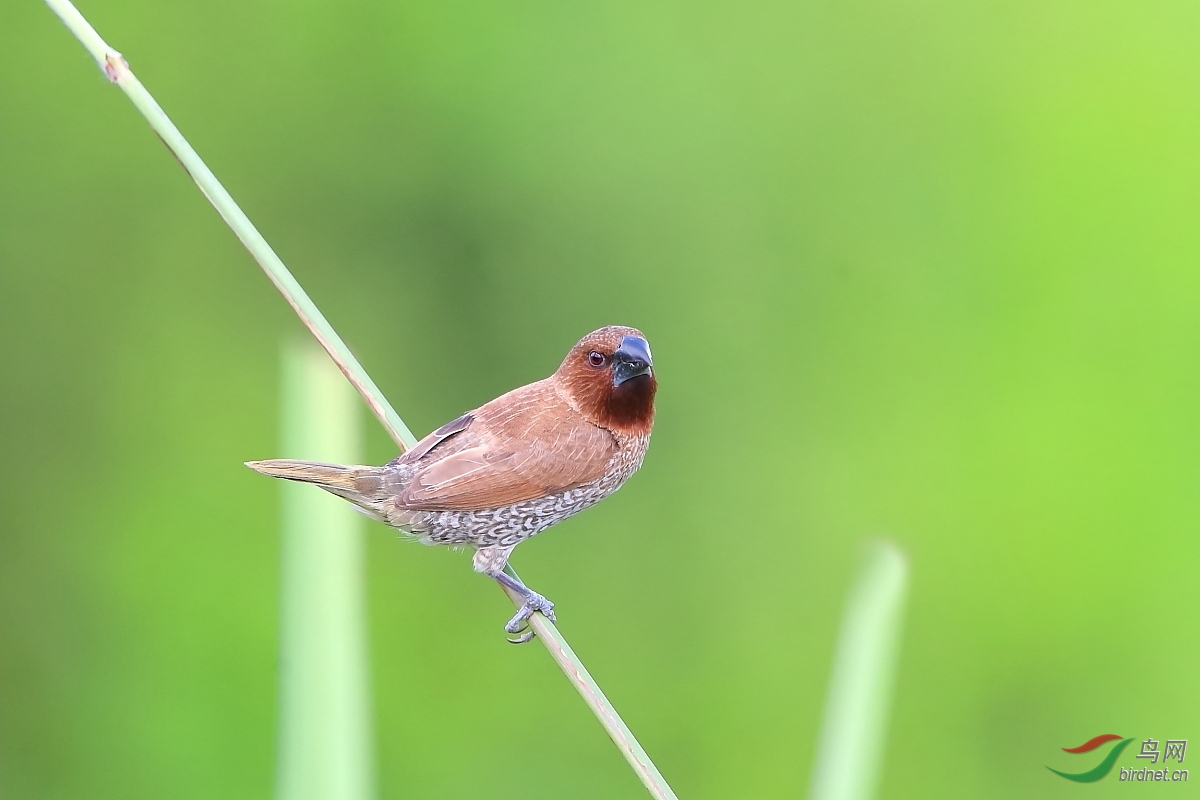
x: 513, y: 467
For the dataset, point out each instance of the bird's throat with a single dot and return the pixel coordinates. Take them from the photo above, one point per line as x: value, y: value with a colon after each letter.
x: 630, y: 406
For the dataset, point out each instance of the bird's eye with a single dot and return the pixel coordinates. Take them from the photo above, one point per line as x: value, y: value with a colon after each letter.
x: 596, y: 359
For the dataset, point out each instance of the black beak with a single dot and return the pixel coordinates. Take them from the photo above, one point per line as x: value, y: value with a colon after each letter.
x: 631, y: 359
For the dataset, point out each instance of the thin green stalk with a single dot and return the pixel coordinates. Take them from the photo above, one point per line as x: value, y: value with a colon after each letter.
x: 325, y: 745
x: 851, y: 746
x: 115, y: 67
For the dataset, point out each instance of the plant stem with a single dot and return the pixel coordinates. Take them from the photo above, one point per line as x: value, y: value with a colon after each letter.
x: 325, y: 745
x: 115, y: 67
x: 850, y: 748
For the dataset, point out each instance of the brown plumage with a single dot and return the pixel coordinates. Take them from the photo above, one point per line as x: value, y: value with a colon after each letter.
x: 515, y: 466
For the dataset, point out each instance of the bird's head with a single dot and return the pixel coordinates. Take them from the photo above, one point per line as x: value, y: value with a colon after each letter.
x: 610, y: 375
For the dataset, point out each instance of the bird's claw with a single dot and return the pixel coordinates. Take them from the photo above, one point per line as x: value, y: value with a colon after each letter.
x: 523, y: 638
x: 519, y: 624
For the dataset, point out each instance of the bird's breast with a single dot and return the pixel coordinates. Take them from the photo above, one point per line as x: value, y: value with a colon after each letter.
x: 631, y: 451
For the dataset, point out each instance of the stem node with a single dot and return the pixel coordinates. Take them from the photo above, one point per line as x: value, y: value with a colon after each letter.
x: 115, y: 66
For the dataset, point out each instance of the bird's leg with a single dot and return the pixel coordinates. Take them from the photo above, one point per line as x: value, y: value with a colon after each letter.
x: 531, y: 601
x: 491, y: 561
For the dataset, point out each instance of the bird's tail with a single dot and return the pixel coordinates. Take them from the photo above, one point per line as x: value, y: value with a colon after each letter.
x: 362, y: 486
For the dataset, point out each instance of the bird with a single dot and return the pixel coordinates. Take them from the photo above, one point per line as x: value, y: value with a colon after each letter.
x: 508, y: 470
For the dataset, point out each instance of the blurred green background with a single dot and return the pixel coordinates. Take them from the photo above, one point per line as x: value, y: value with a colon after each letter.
x: 920, y: 269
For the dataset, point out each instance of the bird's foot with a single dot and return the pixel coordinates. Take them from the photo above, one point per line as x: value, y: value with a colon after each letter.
x: 531, y: 601
x: 519, y: 624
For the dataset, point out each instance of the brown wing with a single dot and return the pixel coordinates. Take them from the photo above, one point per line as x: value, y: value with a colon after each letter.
x: 521, y: 446
x: 435, y: 438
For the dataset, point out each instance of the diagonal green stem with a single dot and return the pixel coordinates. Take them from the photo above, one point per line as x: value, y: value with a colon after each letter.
x: 115, y: 67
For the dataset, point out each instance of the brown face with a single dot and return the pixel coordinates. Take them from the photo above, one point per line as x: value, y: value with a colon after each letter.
x: 610, y: 373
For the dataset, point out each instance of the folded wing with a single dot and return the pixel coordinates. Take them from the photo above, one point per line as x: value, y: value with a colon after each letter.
x: 522, y: 446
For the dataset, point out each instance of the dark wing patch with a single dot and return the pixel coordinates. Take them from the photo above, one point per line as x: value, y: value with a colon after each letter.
x: 437, y: 437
